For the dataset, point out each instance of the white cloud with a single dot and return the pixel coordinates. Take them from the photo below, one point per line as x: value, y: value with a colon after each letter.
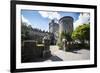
x: 50, y: 15
x: 83, y: 19
x: 24, y: 20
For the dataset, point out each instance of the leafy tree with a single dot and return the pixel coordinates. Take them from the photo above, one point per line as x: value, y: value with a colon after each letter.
x: 25, y: 31
x: 82, y: 33
x: 29, y: 27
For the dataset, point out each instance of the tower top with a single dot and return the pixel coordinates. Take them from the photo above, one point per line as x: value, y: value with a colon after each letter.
x: 66, y: 17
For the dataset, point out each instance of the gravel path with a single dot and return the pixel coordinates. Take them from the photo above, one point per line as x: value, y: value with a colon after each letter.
x: 60, y: 55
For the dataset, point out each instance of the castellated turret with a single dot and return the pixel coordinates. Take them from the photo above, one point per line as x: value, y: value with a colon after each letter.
x: 53, y: 26
x: 54, y: 30
x: 66, y: 24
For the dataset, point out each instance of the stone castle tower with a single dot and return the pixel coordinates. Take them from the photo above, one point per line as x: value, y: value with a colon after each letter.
x: 65, y: 24
x: 53, y: 29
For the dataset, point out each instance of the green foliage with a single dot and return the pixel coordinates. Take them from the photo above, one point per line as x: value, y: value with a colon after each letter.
x: 82, y: 33
x: 25, y: 31
x: 60, y: 44
x: 64, y: 35
x: 59, y: 41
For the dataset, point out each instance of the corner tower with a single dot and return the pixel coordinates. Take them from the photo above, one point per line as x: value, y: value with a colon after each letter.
x: 66, y: 24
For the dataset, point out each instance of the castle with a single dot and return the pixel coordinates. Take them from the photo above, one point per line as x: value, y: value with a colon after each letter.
x: 64, y: 24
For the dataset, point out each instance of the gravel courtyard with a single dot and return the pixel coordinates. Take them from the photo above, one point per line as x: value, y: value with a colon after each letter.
x: 60, y: 55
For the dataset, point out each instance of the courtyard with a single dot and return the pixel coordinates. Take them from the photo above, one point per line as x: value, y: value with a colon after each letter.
x: 60, y: 55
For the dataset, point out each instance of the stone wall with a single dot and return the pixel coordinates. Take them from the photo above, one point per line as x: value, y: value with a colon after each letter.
x: 32, y: 50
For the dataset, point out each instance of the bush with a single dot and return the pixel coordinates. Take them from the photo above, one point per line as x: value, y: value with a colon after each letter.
x: 60, y: 44
x: 39, y: 41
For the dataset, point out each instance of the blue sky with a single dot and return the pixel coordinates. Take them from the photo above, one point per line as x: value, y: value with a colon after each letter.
x: 40, y: 19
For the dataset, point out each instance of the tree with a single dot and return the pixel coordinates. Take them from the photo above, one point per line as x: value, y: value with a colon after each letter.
x: 82, y: 33
x: 25, y: 29
x: 29, y: 27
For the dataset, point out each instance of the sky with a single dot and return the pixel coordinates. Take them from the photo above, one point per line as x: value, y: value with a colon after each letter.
x: 41, y: 19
